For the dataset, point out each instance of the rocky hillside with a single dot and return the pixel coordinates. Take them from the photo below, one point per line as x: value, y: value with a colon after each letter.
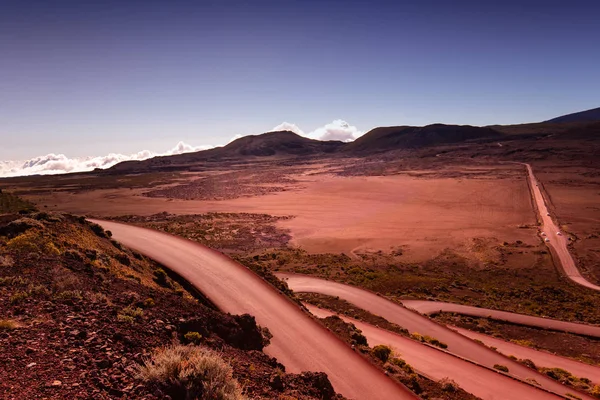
x: 80, y: 315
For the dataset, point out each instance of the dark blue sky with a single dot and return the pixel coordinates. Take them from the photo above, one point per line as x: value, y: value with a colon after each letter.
x: 83, y: 79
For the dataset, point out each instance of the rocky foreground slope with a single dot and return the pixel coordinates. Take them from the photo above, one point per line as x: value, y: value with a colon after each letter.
x: 79, y: 315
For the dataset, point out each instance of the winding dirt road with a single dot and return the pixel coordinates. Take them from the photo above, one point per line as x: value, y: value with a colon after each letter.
x: 540, y: 358
x: 299, y: 342
x: 457, y: 343
x: 558, y: 243
x: 435, y: 364
x: 433, y: 307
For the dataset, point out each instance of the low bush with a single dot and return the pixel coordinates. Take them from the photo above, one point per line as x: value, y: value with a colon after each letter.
x: 18, y: 297
x: 191, y: 372
x: 69, y: 295
x: 500, y: 367
x: 382, y: 352
x: 136, y: 313
x: 160, y: 277
x: 448, y: 385
x: 8, y: 325
x: 401, y: 364
x: 149, y: 302
x: 13, y: 281
x: 193, y: 337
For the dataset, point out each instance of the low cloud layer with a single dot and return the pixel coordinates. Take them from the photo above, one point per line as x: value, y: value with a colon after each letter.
x: 60, y: 164
x: 336, y: 130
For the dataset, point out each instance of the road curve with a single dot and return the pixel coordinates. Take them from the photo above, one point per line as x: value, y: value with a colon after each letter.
x: 414, y: 322
x: 558, y: 243
x: 435, y: 364
x: 434, y: 307
x: 540, y: 358
x: 299, y: 342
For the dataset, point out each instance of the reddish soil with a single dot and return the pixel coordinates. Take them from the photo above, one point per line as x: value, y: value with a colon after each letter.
x: 418, y: 210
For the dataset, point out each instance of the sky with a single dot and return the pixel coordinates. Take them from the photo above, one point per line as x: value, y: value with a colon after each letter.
x: 84, y: 79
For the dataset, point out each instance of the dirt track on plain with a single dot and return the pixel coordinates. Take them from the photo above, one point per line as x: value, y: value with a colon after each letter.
x: 558, y: 242
x: 435, y: 364
x: 414, y: 322
x: 433, y: 307
x: 540, y: 358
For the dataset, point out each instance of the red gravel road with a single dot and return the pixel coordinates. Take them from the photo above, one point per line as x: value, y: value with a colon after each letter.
x: 435, y: 364
x: 558, y: 243
x: 433, y: 307
x: 299, y: 342
x: 540, y: 358
x: 414, y: 322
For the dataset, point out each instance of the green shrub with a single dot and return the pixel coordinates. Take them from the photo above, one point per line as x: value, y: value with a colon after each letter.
x: 18, y: 297
x: 125, y: 318
x: 69, y: 295
x: 13, y: 281
x: 502, y: 368
x: 161, y: 277
x: 435, y: 342
x: 191, y: 372
x: 136, y: 313
x: 402, y: 364
x: 149, y: 302
x: 382, y: 352
x: 193, y: 337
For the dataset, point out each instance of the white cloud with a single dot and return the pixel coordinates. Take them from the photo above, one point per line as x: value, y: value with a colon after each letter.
x: 61, y: 164
x: 336, y: 130
x: 286, y: 126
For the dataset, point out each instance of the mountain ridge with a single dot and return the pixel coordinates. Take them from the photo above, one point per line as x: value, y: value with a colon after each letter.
x: 591, y: 115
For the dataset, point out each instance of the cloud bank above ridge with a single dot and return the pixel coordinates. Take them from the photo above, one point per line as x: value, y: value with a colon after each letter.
x: 335, y: 130
x: 61, y: 164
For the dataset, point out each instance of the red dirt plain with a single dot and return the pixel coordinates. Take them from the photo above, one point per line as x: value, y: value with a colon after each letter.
x: 467, y: 209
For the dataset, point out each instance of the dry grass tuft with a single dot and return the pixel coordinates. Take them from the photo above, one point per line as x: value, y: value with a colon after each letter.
x: 8, y: 325
x: 191, y: 372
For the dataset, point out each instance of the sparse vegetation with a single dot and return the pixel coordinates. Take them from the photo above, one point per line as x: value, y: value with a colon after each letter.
x: 18, y: 297
x: 191, y: 372
x: 500, y: 367
x: 161, y: 278
x: 401, y: 364
x: 8, y: 325
x: 448, y: 385
x: 382, y: 352
x: 10, y: 203
x: 193, y: 337
x: 149, y: 302
x: 132, y: 313
x: 428, y: 339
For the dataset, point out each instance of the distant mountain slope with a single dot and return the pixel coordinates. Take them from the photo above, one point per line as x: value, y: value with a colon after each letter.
x: 583, y: 116
x: 281, y: 143
x: 400, y: 137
